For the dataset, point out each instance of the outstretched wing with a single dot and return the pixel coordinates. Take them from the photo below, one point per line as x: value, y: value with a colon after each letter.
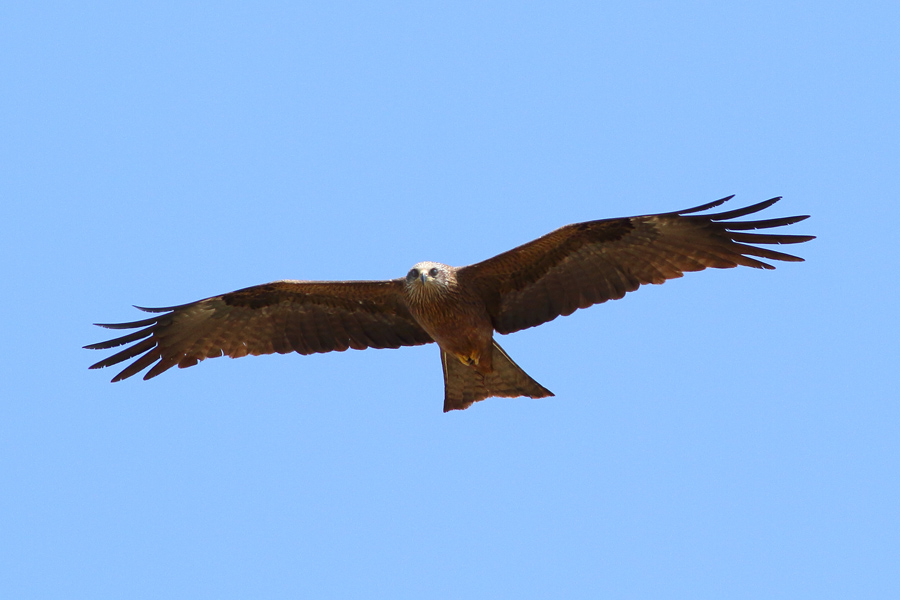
x: 583, y: 264
x: 284, y: 316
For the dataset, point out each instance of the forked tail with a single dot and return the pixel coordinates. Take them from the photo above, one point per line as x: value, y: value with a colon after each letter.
x: 463, y: 385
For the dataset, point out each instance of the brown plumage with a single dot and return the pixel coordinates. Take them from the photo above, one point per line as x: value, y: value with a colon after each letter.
x: 573, y: 267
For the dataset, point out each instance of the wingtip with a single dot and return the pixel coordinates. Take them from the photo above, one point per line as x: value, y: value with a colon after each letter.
x: 703, y: 207
x: 741, y: 212
x: 151, y: 309
x: 101, y: 365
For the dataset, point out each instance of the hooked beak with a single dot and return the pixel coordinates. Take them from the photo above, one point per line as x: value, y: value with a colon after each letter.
x: 423, y: 277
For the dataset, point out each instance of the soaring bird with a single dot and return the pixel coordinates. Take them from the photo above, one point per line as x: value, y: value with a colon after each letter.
x: 459, y: 308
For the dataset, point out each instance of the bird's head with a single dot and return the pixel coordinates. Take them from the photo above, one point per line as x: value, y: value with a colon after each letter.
x: 427, y: 276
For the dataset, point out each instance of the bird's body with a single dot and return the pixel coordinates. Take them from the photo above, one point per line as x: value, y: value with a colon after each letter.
x: 459, y: 308
x: 454, y: 316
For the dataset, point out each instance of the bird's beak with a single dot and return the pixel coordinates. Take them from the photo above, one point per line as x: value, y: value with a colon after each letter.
x: 423, y: 277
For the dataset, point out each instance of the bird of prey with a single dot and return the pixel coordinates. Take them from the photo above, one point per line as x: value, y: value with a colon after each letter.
x: 459, y: 308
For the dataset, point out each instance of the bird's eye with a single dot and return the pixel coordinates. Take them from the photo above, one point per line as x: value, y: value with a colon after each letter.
x: 433, y: 272
x: 413, y: 274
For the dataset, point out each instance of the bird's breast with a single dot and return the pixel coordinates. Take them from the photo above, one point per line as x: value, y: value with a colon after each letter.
x: 459, y: 325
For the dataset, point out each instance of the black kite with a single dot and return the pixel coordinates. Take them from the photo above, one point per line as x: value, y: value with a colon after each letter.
x: 460, y: 308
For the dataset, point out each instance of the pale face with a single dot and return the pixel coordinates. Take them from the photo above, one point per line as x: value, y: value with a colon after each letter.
x: 428, y: 273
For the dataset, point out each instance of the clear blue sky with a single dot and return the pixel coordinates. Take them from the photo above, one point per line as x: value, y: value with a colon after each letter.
x: 732, y: 434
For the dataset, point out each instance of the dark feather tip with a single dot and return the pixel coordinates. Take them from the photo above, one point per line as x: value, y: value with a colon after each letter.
x: 155, y: 310
x: 703, y: 207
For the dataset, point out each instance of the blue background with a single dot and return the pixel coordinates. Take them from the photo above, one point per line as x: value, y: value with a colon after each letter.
x: 732, y: 434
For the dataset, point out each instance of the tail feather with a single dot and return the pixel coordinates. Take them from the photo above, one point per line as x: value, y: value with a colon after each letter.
x: 463, y: 385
